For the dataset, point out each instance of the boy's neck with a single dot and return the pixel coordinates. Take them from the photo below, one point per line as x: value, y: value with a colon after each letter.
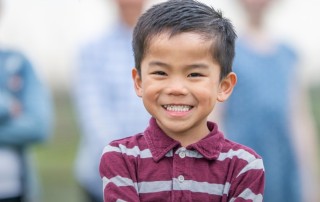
x: 189, y: 137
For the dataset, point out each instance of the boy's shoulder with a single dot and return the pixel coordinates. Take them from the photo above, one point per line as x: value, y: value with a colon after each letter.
x: 134, y: 145
x: 232, y: 149
x: 129, y: 140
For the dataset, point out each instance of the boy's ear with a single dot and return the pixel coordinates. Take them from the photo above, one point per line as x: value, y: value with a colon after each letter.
x: 137, y: 82
x: 226, y: 87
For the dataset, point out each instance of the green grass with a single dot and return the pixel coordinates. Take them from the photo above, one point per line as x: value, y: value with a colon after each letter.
x: 315, y: 106
x: 56, y: 158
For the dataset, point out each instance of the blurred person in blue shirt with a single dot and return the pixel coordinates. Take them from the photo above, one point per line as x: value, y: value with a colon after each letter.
x: 272, y: 120
x: 25, y: 119
x: 106, y: 104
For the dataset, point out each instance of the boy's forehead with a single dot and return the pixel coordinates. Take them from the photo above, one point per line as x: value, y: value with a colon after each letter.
x: 187, y: 47
x: 166, y: 36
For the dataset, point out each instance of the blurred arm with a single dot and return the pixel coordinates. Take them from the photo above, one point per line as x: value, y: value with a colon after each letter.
x: 30, y: 120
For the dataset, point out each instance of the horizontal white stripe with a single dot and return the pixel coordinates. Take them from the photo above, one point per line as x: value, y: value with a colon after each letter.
x: 253, y: 162
x: 159, y: 186
x: 156, y: 186
x: 200, y: 187
x: 135, y: 151
x: 247, y: 194
x: 109, y: 148
x: 146, y: 153
x: 119, y: 181
x: 254, y: 165
x: 241, y: 154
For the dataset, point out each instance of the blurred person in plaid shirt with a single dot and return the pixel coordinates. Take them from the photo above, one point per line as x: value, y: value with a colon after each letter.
x: 106, y: 103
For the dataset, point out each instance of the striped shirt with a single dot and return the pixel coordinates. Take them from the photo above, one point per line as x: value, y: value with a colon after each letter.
x: 153, y: 167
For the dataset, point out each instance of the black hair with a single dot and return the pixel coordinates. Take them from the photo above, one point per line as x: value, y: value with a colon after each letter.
x: 179, y: 16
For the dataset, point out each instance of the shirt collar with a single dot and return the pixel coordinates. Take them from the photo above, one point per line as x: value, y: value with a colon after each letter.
x: 160, y: 144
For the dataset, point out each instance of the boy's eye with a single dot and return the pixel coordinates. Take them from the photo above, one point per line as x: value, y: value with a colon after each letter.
x: 159, y: 73
x: 195, y: 75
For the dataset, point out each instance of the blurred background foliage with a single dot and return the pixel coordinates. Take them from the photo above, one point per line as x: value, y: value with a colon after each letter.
x: 315, y: 105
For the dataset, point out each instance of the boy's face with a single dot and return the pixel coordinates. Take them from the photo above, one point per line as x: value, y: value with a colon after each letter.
x: 180, y: 83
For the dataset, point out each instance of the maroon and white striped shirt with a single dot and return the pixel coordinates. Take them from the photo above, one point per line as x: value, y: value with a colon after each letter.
x: 153, y: 167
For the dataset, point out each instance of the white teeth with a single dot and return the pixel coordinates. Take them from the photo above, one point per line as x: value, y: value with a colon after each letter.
x: 177, y: 108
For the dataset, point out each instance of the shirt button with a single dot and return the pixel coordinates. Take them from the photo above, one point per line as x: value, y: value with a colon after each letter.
x: 182, y: 154
x: 180, y: 178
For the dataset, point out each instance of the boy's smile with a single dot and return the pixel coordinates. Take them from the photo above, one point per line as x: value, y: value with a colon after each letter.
x: 180, y: 84
x: 177, y: 108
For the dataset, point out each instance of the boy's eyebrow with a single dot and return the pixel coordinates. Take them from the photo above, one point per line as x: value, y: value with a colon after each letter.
x: 198, y: 65
x: 158, y: 63
x: 192, y: 66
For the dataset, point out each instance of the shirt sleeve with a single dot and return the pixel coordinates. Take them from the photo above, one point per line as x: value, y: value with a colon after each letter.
x: 34, y: 123
x: 116, y: 171
x: 249, y: 183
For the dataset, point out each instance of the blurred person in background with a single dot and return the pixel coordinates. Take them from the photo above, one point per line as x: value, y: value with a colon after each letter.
x: 270, y: 117
x: 25, y: 119
x: 106, y: 104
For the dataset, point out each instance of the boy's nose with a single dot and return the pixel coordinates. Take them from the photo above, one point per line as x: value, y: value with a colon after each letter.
x: 176, y: 87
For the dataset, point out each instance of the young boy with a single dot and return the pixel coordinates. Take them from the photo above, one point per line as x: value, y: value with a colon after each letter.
x: 183, y: 53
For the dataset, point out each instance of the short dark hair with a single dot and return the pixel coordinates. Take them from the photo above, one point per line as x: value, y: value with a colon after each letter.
x: 179, y: 16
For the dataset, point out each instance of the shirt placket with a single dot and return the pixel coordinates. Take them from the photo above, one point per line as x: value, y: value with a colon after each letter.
x: 181, y: 176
